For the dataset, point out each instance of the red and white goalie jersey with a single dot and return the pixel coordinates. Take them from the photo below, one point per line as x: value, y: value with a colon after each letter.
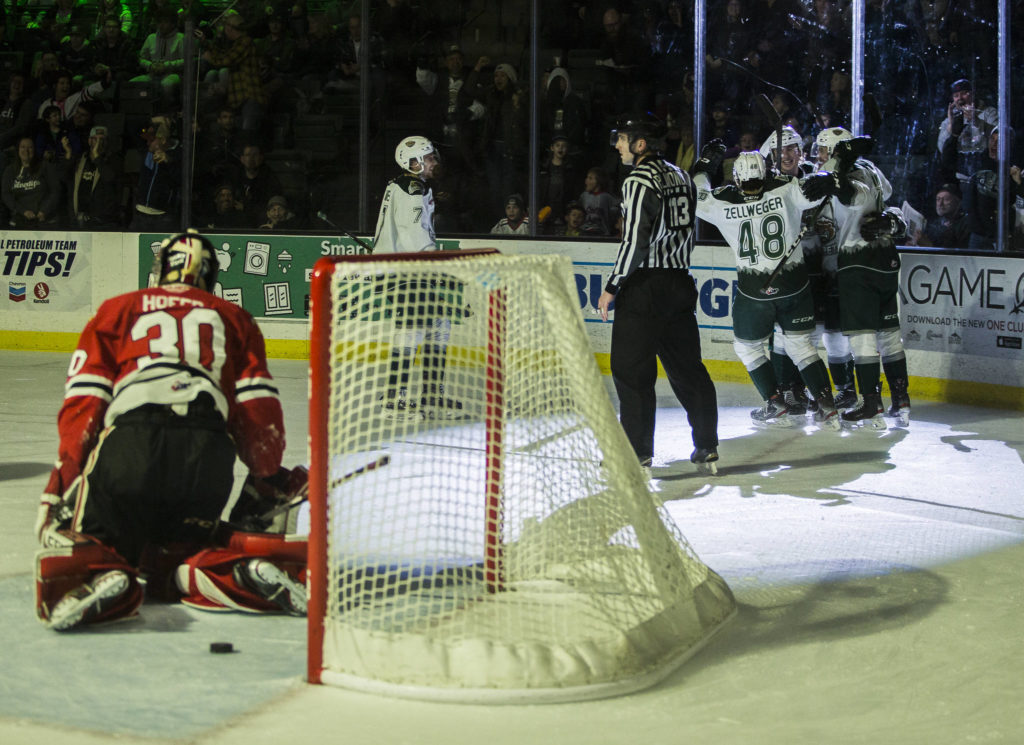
x: 166, y: 345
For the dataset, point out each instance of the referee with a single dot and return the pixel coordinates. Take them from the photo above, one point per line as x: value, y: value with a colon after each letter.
x: 656, y: 298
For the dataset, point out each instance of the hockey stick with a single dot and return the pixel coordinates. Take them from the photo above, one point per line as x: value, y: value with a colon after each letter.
x: 323, y: 216
x: 764, y: 103
x: 302, y: 496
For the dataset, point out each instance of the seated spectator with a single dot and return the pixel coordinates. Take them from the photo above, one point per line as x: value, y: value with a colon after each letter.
x: 55, y: 141
x: 43, y: 79
x: 227, y: 212
x: 16, y: 115
x: 276, y: 52
x: 964, y: 133
x: 626, y: 56
x: 950, y: 227
x: 158, y: 190
x: 981, y: 196
x: 117, y: 10
x: 115, y: 51
x: 219, y: 146
x: 515, y: 221
x: 30, y: 189
x: 255, y: 184
x: 162, y: 58
x: 345, y: 73
x: 81, y: 123
x: 244, y: 88
x: 600, y: 207
x: 76, y: 54
x: 278, y: 216
x: 95, y: 186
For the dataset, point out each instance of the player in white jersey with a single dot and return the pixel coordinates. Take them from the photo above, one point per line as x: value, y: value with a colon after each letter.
x: 760, y: 219
x: 868, y: 277
x: 405, y: 224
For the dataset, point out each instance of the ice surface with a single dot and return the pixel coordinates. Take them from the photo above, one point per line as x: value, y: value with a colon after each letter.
x: 878, y: 575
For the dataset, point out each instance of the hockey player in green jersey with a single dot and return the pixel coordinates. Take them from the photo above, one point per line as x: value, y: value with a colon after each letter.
x: 867, y: 275
x: 760, y: 218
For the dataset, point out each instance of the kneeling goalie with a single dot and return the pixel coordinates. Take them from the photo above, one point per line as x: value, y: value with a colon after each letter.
x: 166, y: 386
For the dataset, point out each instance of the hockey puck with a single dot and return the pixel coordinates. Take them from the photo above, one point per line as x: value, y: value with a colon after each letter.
x: 222, y: 647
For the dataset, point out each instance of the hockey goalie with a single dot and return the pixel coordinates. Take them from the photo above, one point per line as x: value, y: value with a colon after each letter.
x: 166, y: 387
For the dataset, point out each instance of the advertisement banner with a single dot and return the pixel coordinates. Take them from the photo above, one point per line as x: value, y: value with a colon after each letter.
x: 963, y: 304
x: 46, y: 271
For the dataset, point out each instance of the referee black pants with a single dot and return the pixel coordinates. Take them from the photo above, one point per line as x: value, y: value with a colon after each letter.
x: 655, y: 318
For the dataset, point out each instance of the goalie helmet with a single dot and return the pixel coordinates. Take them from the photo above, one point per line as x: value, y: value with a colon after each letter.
x: 827, y: 139
x: 749, y: 171
x: 414, y: 148
x: 187, y: 258
x: 789, y: 137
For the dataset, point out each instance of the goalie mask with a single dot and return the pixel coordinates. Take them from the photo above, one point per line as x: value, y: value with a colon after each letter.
x: 411, y: 149
x: 749, y: 172
x: 827, y: 139
x: 187, y: 258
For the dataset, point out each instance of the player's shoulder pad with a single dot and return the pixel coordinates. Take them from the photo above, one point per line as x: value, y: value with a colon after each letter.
x: 411, y: 184
x: 729, y: 193
x: 778, y: 182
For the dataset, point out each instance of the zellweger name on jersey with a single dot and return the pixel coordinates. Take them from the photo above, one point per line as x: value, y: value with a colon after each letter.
x: 760, y: 230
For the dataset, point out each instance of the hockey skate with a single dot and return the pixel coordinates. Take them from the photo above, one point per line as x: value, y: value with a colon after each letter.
x: 796, y: 400
x: 900, y: 408
x: 827, y: 417
x: 88, y: 601
x: 397, y: 407
x: 846, y: 397
x: 868, y: 414
x: 774, y: 413
x: 706, y: 460
x: 272, y: 584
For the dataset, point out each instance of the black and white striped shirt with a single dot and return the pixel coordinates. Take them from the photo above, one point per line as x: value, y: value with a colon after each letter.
x: 658, y: 204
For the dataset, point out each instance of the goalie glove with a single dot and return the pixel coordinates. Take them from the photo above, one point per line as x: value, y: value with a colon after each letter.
x: 262, y: 495
x: 710, y: 162
x: 887, y: 224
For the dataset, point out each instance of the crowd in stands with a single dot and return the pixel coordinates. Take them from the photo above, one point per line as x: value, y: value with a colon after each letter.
x: 92, y: 91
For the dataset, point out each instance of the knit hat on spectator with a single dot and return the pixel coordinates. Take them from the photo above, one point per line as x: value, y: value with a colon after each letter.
x: 963, y: 84
x: 510, y: 72
x: 952, y: 188
x: 277, y: 200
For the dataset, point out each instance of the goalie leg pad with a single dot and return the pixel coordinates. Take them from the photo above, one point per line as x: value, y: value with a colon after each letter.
x: 208, y: 580
x: 60, y: 571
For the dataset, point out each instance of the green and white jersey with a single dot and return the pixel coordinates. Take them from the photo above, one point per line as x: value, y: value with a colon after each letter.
x: 405, y: 222
x: 870, y: 190
x: 760, y: 230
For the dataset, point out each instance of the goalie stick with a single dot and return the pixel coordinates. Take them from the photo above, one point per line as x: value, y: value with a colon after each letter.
x: 303, y: 495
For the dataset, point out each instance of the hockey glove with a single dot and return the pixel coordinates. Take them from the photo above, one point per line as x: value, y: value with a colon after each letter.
x: 820, y: 185
x: 260, y: 496
x: 710, y: 161
x: 847, y: 151
x: 888, y: 224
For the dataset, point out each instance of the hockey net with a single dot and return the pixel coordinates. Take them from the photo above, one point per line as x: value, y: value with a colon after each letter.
x: 505, y: 548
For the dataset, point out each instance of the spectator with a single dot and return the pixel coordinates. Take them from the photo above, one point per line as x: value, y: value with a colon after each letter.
x: 276, y: 53
x: 574, y: 217
x: 723, y: 127
x: 227, y: 213
x: 45, y: 70
x: 679, y: 141
x: 627, y: 57
x: 730, y: 36
x: 158, y: 190
x: 950, y: 227
x: 673, y: 47
x: 29, y: 189
x: 316, y: 50
x: 16, y: 115
x: 244, y: 89
x: 964, y: 133
x: 76, y: 54
x: 515, y: 221
x: 557, y: 182
x: 601, y: 208
x: 95, y: 182
x: 66, y: 101
x: 117, y: 10
x: 981, y: 196
x: 80, y: 124
x: 256, y: 183
x: 345, y: 74
x: 54, y: 140
x: 504, y: 139
x: 115, y: 52
x: 162, y: 58
x: 220, y: 146
x: 278, y: 216
x: 562, y: 112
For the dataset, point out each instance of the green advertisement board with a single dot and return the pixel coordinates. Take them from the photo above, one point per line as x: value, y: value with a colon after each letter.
x: 266, y: 274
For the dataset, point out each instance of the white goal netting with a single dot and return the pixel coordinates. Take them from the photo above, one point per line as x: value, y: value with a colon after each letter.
x: 481, y: 530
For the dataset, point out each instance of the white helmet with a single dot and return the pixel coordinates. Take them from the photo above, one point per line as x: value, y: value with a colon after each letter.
x: 413, y: 148
x: 828, y: 139
x: 789, y: 137
x: 749, y: 166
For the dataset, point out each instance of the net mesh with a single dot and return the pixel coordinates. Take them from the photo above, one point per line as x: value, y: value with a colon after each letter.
x: 490, y: 534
